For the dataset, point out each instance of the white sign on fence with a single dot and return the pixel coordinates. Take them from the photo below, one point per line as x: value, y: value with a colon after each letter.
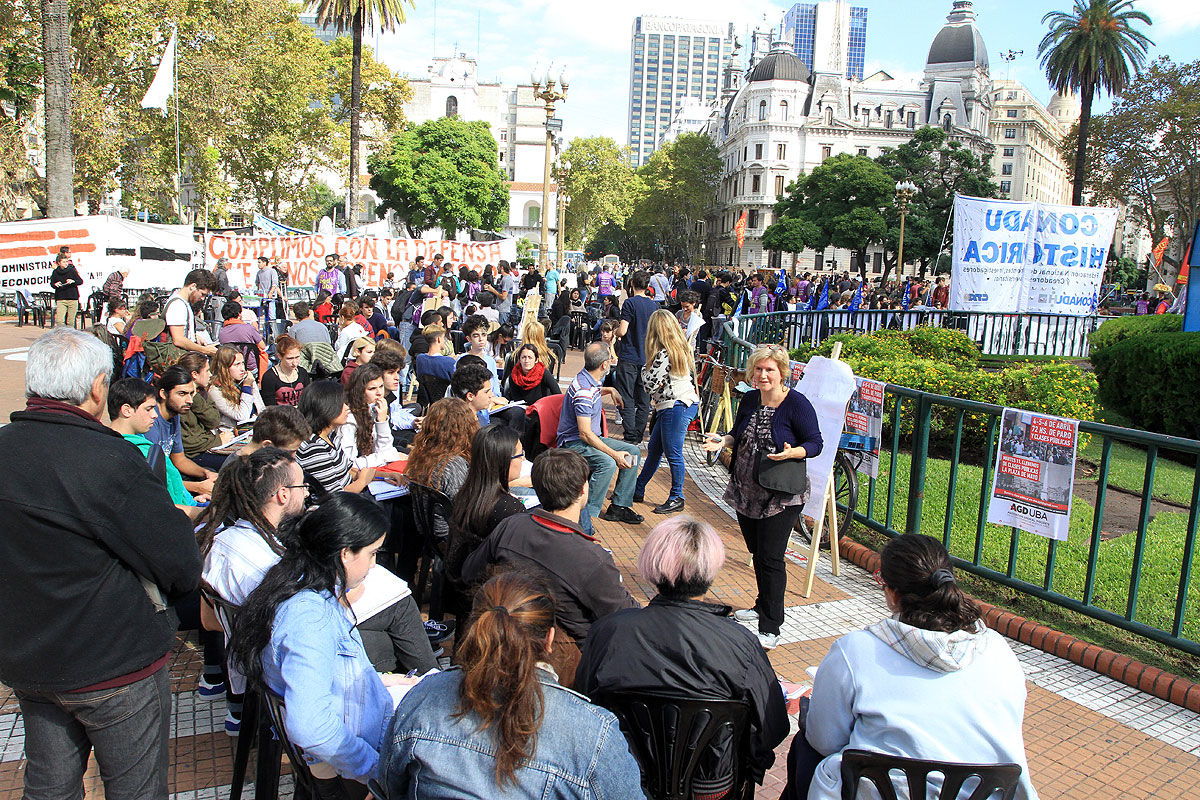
x: 1012, y: 256
x: 1034, y: 476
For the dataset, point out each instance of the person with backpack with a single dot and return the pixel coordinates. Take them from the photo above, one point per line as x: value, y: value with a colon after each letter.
x: 180, y: 316
x: 660, y: 288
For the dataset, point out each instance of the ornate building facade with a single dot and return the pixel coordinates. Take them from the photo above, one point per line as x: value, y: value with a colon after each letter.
x: 778, y: 120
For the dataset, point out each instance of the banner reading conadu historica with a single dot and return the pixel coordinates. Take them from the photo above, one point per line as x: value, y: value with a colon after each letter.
x: 1035, y: 473
x: 154, y: 255
x: 304, y: 256
x: 1012, y: 256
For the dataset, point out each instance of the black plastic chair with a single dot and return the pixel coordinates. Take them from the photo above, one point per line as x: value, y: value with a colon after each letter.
x: 430, y: 390
x: 877, y: 768
x: 670, y: 735
x: 266, y: 786
x: 432, y: 511
x: 29, y: 311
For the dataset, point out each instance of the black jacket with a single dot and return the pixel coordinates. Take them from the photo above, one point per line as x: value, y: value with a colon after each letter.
x: 69, y: 277
x: 83, y: 518
x: 694, y: 649
x: 581, y: 573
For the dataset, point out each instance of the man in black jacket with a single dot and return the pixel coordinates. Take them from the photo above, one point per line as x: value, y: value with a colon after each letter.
x: 65, y: 280
x: 91, y: 547
x: 581, y: 572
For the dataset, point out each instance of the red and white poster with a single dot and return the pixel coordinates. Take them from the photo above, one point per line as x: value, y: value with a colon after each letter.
x: 304, y: 256
x: 1035, y: 473
x: 864, y: 425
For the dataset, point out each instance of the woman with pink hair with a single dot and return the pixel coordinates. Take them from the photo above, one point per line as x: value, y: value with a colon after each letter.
x: 679, y: 645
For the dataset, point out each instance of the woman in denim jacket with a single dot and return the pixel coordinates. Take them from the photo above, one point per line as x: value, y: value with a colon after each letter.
x: 502, y: 726
x: 295, y: 634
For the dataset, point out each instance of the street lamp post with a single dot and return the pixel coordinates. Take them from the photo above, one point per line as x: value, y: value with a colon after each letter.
x: 564, y: 169
x: 904, y: 194
x: 546, y: 89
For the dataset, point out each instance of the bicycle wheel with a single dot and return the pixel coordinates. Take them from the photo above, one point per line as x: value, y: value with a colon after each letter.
x: 845, y: 491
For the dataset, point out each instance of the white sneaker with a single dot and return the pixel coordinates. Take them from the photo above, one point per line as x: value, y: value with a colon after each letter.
x: 746, y: 615
x: 769, y: 641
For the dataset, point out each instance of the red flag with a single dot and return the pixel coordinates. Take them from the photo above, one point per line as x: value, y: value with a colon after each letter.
x: 739, y: 228
x: 1183, y: 268
x: 1159, y: 249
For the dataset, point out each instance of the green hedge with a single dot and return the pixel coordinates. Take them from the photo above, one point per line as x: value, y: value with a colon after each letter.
x: 1152, y: 380
x: 1121, y: 328
x: 946, y: 362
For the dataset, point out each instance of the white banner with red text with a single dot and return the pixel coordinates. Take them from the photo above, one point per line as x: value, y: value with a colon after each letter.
x: 1034, y: 477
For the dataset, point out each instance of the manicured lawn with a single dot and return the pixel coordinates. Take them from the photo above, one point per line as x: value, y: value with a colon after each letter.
x: 1160, y: 571
x: 1127, y: 469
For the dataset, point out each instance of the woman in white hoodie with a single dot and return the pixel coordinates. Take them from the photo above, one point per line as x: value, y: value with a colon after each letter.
x: 930, y: 682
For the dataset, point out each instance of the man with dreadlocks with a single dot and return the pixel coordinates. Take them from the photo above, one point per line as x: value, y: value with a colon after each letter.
x: 256, y: 498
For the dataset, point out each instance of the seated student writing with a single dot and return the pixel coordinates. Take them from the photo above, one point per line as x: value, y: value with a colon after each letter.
x: 201, y: 424
x: 324, y: 461
x: 233, y: 390
x: 367, y: 435
x: 132, y: 410
x: 296, y: 636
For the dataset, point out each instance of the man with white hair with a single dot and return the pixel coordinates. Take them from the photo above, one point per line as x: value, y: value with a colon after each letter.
x: 91, y: 551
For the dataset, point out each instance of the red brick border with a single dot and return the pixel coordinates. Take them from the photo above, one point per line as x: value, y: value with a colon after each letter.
x: 1144, y: 678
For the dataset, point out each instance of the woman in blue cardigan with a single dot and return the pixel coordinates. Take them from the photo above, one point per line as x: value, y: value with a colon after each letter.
x: 781, y: 423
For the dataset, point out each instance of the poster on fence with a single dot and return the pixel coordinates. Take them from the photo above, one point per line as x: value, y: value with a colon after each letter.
x: 864, y: 425
x: 828, y: 385
x: 795, y: 370
x: 1027, y: 257
x: 1035, y: 473
x: 304, y: 256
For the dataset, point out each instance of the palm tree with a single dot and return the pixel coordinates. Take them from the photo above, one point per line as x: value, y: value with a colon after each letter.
x: 1090, y: 48
x: 357, y: 16
x: 60, y: 151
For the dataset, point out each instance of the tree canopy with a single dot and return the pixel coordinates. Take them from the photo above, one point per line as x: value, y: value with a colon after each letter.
x: 600, y: 184
x: 442, y: 174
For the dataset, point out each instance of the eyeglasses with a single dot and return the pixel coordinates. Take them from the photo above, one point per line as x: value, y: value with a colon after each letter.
x: 879, y: 579
x: 303, y: 486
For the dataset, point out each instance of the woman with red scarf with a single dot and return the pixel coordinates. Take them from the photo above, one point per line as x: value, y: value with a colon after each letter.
x: 529, y: 379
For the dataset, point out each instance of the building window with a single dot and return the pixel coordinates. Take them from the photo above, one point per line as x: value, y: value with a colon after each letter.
x: 826, y: 152
x: 912, y: 119
x: 504, y: 136
x: 758, y: 148
x: 862, y: 151
x: 779, y: 187
x: 1006, y: 186
x: 1008, y: 152
x: 752, y: 220
x: 1010, y: 133
x: 781, y: 151
x: 829, y: 115
x: 451, y: 106
x: 762, y: 110
x: 783, y: 110
x: 1012, y: 113
x: 755, y: 184
x: 1006, y: 169
x: 947, y: 123
x: 745, y: 152
x: 535, y: 216
x: 501, y: 156
x: 887, y: 119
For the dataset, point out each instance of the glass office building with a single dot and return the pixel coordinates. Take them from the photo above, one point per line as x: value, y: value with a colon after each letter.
x: 812, y: 27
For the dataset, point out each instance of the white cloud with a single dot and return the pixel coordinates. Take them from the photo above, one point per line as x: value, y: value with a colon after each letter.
x: 1171, y: 17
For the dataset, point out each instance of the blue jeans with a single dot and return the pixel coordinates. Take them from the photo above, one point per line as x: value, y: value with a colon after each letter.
x: 603, y: 466
x: 126, y: 726
x: 666, y: 437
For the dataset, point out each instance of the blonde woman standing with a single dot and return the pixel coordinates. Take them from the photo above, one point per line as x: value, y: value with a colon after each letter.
x: 667, y: 376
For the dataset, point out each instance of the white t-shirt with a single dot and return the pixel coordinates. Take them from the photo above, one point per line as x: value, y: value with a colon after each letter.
x: 179, y: 312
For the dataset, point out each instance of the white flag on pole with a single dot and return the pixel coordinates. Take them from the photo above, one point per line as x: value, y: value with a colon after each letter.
x: 163, y: 83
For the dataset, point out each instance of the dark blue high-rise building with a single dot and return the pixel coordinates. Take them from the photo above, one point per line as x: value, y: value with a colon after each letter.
x: 817, y: 36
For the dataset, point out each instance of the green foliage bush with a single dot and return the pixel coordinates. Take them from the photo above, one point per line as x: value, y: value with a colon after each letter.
x: 1152, y: 380
x: 1121, y: 328
x: 946, y: 362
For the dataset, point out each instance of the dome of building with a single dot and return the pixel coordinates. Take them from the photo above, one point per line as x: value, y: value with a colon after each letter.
x: 780, y: 64
x: 959, y: 41
x: 1065, y: 108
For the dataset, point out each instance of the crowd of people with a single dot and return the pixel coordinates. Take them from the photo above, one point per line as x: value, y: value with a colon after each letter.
x: 266, y: 501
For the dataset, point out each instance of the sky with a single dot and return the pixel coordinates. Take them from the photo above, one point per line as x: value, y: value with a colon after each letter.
x: 592, y: 40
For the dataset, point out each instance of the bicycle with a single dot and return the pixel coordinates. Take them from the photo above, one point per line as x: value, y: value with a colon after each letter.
x: 717, y: 412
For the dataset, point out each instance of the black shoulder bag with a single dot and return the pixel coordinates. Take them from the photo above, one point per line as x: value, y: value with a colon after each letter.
x: 788, y: 477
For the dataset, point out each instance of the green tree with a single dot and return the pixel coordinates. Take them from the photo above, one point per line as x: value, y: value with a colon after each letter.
x: 940, y: 167
x: 1145, y: 153
x: 789, y: 235
x: 357, y: 16
x: 840, y: 201
x: 20, y: 55
x: 315, y: 202
x: 443, y: 173
x: 600, y: 184
x: 680, y: 181
x: 56, y: 60
x: 383, y: 93
x: 1092, y: 47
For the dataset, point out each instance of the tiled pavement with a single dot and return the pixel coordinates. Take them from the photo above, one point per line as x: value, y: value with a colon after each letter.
x: 1087, y: 736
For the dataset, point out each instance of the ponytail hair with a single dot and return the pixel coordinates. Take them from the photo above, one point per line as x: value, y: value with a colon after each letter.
x: 510, y: 621
x: 919, y: 570
x: 312, y: 561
